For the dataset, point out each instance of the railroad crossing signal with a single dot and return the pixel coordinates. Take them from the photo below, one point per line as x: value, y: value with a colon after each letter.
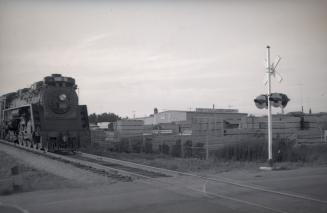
x: 273, y: 70
x: 276, y: 100
x: 279, y: 100
x: 261, y: 101
x: 271, y: 99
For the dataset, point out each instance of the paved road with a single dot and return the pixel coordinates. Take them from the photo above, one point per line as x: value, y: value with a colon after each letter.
x: 184, y: 194
x: 124, y: 197
x: 187, y: 194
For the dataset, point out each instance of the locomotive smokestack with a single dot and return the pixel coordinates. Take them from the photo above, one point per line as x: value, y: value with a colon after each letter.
x: 56, y: 75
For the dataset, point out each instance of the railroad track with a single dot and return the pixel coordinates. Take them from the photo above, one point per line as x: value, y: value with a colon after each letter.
x: 219, y: 180
x: 206, y: 179
x: 125, y: 170
x: 116, y: 171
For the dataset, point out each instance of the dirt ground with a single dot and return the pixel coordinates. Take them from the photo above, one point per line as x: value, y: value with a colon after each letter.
x: 29, y: 179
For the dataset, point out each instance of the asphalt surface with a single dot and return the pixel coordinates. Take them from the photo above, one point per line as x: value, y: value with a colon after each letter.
x: 124, y: 197
x: 187, y: 194
x: 184, y: 194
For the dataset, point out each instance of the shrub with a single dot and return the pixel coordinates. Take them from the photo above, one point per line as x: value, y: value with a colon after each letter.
x: 187, y: 146
x: 176, y: 149
x: 124, y: 145
x: 283, y: 150
x: 136, y: 146
x: 244, y: 151
x: 165, y: 149
x: 148, y: 147
x: 199, y: 151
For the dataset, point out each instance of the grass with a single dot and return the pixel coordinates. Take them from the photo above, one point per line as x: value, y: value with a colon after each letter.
x: 246, y: 155
x: 283, y: 151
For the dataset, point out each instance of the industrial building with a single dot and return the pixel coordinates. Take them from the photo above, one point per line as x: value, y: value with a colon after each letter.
x: 195, y: 122
x: 171, y: 116
x: 215, y: 127
x: 128, y: 128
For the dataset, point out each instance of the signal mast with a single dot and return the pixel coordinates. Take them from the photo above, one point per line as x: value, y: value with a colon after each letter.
x: 271, y: 99
x: 269, y: 72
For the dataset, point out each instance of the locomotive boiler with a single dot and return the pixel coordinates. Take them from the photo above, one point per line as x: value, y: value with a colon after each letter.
x: 45, y: 116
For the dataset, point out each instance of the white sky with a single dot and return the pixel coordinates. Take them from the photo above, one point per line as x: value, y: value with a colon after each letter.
x: 136, y: 55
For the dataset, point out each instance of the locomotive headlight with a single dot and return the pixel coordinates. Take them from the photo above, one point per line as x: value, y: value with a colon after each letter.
x: 62, y: 97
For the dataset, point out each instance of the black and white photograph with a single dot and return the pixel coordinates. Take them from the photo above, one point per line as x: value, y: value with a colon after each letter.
x: 163, y: 106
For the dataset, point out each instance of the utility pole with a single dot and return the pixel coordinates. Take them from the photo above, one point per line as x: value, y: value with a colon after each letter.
x: 207, y: 141
x: 301, y: 90
x: 181, y: 139
x: 271, y: 99
x: 269, y: 72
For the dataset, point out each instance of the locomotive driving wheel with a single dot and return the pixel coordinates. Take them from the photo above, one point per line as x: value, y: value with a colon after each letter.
x: 44, y: 147
x: 20, y: 140
x: 38, y: 146
x: 28, y: 143
x: 33, y: 145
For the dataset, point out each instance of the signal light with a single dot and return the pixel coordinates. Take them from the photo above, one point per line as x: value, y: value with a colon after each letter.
x: 276, y: 100
x: 261, y: 101
x: 285, y: 100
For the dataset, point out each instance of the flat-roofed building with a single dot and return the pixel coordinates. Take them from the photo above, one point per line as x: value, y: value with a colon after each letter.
x: 129, y: 128
x: 197, y: 122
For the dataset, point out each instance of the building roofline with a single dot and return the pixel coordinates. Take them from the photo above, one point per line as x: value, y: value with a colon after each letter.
x: 243, y: 113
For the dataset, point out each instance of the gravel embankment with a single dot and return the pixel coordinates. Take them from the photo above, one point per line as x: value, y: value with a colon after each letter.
x: 39, y: 172
x: 28, y: 178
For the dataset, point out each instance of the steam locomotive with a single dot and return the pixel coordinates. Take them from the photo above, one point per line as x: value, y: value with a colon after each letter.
x: 45, y: 116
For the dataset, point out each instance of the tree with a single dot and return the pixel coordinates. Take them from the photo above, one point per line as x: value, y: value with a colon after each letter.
x: 93, y: 118
x: 104, y: 117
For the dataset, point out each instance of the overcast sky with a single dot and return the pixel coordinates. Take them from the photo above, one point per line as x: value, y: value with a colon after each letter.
x: 136, y: 55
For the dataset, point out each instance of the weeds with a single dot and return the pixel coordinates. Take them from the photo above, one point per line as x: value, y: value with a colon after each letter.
x: 283, y: 150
